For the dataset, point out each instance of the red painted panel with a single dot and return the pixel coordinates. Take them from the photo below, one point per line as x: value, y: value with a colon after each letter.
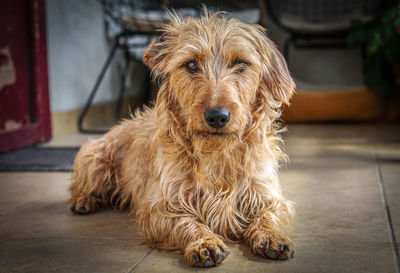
x: 14, y: 82
x: 24, y: 95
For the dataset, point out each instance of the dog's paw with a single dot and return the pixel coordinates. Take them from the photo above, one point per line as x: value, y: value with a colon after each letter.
x: 82, y: 206
x: 279, y: 252
x: 206, y: 252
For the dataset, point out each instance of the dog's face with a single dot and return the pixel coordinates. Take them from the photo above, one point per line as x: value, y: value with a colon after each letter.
x: 217, y: 74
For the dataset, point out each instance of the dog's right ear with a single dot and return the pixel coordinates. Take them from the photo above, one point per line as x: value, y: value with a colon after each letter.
x: 156, y: 51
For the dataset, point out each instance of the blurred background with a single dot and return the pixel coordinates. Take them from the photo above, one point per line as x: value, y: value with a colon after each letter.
x: 69, y: 66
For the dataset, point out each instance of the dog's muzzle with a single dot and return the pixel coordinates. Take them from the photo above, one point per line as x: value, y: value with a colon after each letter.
x: 217, y: 117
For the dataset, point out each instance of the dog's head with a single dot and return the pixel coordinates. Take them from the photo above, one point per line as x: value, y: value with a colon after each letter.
x: 221, y: 78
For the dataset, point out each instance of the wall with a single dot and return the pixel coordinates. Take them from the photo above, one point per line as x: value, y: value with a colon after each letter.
x: 77, y: 48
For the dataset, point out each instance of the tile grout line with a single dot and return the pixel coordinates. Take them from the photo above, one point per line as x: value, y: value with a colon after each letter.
x: 11, y: 211
x: 395, y: 249
x: 65, y: 238
x: 140, y: 261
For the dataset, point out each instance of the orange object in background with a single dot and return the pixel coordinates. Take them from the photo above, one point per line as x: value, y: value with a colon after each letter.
x: 351, y: 105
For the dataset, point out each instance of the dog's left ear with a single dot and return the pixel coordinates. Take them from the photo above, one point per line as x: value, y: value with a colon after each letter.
x: 156, y: 51
x: 276, y: 76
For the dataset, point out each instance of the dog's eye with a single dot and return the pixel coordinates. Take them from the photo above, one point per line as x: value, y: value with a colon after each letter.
x: 240, y: 65
x: 192, y: 66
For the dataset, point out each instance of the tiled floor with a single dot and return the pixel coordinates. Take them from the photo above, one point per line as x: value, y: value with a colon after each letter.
x: 336, y: 177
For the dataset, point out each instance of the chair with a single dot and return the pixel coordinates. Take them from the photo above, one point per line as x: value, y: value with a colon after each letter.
x: 319, y: 23
x: 128, y: 35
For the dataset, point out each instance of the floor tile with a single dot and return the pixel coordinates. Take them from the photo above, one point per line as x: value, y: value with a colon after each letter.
x: 69, y: 255
x: 54, y: 220
x: 389, y: 161
x: 40, y: 199
x: 21, y: 189
x: 38, y: 232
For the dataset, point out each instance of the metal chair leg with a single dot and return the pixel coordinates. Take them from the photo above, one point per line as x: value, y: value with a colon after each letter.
x: 123, y: 84
x: 147, y: 91
x: 95, y: 89
x: 286, y: 48
x: 142, y: 99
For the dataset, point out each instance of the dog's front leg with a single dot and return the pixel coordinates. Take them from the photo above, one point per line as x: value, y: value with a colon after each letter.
x: 268, y: 234
x: 201, y: 247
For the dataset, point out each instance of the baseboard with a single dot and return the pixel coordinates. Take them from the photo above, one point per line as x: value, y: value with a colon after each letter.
x: 100, y: 115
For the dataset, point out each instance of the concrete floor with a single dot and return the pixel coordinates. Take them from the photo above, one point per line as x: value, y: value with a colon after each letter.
x: 343, y: 178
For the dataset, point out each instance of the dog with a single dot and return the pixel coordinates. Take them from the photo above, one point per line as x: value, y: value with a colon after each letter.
x: 199, y: 169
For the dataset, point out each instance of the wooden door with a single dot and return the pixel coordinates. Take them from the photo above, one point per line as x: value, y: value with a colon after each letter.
x: 24, y: 95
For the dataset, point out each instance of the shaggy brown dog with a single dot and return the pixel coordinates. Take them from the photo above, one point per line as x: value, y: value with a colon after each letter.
x: 200, y: 168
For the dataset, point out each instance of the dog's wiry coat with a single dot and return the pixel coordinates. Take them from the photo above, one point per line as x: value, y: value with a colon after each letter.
x: 192, y: 187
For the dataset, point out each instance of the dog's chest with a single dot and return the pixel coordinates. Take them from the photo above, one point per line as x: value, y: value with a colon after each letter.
x: 223, y: 213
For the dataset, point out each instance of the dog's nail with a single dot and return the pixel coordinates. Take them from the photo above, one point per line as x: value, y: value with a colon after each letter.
x: 82, y: 210
x: 206, y: 252
x: 72, y: 208
x: 213, y: 250
x: 219, y: 258
x: 272, y: 254
x: 260, y: 251
x: 266, y: 245
x: 223, y: 249
x: 284, y: 256
x: 208, y: 263
x: 196, y: 257
x: 281, y: 247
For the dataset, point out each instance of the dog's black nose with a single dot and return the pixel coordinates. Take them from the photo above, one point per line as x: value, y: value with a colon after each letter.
x: 217, y: 117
